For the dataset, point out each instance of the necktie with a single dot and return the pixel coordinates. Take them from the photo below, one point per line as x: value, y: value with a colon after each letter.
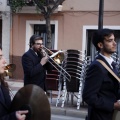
x: 1, y: 95
x: 114, y: 68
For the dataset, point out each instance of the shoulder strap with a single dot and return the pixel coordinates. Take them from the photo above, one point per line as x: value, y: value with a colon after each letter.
x: 103, y: 63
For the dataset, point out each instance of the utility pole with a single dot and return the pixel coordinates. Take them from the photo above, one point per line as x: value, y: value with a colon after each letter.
x: 101, y: 10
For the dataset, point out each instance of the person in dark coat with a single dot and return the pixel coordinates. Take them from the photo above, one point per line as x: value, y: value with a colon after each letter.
x: 101, y: 89
x: 5, y: 99
x: 35, y: 63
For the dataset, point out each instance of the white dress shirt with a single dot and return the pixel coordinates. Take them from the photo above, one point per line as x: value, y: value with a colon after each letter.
x: 109, y: 60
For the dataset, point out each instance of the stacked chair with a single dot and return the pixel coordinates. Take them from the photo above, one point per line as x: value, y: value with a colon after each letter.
x: 52, y: 82
x: 75, y: 64
x: 86, y: 63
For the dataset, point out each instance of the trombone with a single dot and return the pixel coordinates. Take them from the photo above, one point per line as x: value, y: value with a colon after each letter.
x: 57, y: 58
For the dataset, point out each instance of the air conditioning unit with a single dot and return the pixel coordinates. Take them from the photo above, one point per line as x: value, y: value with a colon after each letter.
x: 3, y: 5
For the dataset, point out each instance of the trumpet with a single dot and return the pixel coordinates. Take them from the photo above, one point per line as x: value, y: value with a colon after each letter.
x: 57, y: 58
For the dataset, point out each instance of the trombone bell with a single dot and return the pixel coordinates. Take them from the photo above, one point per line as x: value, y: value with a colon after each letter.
x: 58, y: 56
x: 9, y: 69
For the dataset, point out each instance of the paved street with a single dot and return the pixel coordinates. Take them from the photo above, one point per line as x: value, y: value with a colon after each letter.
x: 61, y: 117
x: 68, y: 112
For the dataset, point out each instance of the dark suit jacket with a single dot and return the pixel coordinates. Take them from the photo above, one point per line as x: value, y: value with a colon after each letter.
x: 34, y: 72
x: 5, y: 106
x: 100, y: 91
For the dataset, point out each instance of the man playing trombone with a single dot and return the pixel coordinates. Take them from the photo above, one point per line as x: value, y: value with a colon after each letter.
x: 35, y: 63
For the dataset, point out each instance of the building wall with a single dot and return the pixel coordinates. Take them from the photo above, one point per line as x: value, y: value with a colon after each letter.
x: 70, y: 26
x: 90, y: 5
x: 6, y: 20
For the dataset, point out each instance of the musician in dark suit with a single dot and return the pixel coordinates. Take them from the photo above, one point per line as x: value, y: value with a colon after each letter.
x: 101, y: 89
x: 5, y: 100
x: 35, y: 63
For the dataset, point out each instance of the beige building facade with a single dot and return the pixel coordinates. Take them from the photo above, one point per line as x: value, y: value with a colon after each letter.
x: 73, y: 27
x: 5, y: 28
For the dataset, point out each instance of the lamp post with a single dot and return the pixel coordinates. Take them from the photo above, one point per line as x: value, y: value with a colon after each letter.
x: 101, y: 9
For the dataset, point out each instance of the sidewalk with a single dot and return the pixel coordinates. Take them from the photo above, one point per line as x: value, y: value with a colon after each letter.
x: 68, y: 109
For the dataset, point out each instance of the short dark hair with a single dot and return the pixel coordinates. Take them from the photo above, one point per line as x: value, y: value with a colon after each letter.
x: 33, y: 38
x: 100, y: 35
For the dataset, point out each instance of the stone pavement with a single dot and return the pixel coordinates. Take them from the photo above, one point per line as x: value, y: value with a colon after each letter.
x: 68, y: 109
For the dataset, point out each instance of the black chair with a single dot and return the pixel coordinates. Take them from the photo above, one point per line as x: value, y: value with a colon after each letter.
x: 73, y: 65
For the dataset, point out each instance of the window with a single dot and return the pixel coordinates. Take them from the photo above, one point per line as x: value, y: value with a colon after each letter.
x: 91, y: 50
x: 41, y: 30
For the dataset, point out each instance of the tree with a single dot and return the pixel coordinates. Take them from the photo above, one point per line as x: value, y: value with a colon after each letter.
x: 46, y: 7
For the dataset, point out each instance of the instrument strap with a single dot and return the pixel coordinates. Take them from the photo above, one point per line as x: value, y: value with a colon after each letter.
x: 103, y: 63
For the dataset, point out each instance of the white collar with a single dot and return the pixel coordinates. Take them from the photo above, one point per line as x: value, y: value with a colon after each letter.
x: 109, y: 60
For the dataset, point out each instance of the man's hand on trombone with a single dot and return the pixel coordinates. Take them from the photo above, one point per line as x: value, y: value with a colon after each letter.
x: 45, y: 57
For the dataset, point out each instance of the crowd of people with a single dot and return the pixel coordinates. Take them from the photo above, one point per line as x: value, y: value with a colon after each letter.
x: 35, y: 63
x: 101, y: 88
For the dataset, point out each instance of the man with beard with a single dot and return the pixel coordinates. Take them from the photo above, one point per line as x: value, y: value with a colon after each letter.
x: 35, y: 63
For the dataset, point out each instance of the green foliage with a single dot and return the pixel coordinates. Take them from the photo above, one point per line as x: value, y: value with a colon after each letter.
x: 16, y: 5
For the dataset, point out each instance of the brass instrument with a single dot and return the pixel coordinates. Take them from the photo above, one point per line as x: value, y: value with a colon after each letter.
x: 9, y: 69
x: 57, y: 58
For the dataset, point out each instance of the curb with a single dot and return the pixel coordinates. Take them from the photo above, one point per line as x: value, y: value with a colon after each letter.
x: 69, y: 112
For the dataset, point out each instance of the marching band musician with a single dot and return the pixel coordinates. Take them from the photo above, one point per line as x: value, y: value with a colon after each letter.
x: 101, y: 88
x: 5, y: 100
x: 35, y: 63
